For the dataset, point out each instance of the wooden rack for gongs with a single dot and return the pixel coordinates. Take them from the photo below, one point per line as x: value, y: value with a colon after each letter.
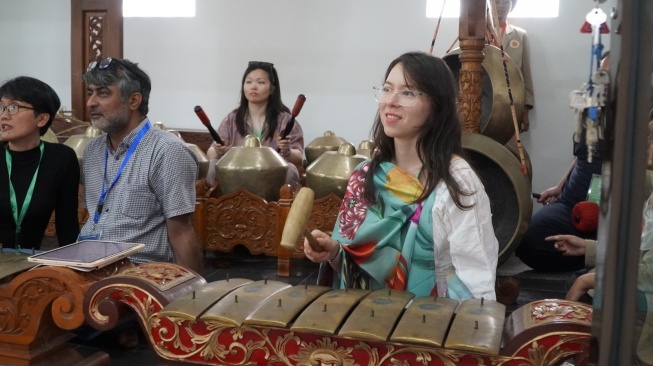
x: 496, y: 117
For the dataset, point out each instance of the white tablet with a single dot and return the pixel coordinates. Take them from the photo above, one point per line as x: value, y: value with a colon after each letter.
x: 87, y: 255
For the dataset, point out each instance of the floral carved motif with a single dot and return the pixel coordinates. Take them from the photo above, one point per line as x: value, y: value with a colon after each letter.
x: 242, y: 219
x: 16, y: 311
x: 95, y: 37
x: 542, y: 311
x: 324, y: 213
x: 59, y: 291
x: 161, y: 275
x: 551, y: 349
x: 470, y: 99
x: 215, y: 343
x: 143, y: 304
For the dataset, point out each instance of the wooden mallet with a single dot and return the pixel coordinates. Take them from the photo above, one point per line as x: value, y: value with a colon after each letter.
x: 296, y: 222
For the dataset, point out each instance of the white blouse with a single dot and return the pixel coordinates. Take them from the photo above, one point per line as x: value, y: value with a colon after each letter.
x: 464, y: 240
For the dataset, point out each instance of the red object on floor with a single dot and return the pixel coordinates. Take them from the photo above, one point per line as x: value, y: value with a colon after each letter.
x: 585, y: 216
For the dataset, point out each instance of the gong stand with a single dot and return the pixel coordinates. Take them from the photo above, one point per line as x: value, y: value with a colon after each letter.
x: 495, y: 35
x: 472, y: 40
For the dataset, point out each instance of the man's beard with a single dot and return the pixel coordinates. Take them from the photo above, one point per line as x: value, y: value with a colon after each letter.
x: 114, y: 122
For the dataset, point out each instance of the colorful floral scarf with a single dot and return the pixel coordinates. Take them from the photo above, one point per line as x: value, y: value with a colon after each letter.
x: 388, y: 244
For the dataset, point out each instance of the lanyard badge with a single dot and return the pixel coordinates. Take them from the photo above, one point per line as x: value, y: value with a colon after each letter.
x: 13, y: 201
x: 105, y: 191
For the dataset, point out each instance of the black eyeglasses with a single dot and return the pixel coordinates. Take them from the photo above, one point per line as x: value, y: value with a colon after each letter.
x: 267, y: 66
x: 103, y: 64
x: 13, y: 109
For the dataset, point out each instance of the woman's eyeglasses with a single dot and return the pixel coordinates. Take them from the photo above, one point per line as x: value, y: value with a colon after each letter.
x: 103, y: 64
x: 405, y: 98
x: 13, y: 109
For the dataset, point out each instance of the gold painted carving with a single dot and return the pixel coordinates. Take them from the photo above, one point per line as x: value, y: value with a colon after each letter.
x: 163, y: 276
x: 144, y: 305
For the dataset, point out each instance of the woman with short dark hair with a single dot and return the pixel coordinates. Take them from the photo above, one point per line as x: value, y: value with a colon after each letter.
x: 37, y: 178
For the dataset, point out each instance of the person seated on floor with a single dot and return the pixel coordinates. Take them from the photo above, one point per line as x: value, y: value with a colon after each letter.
x: 554, y: 218
x: 261, y: 113
x: 574, y: 246
x: 582, y: 287
x: 414, y: 217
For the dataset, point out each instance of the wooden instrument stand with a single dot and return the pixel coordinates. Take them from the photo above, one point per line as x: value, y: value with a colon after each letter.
x: 238, y: 321
x: 38, y: 307
x: 242, y: 218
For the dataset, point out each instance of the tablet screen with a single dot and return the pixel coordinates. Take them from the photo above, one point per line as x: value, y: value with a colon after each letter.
x: 87, y: 251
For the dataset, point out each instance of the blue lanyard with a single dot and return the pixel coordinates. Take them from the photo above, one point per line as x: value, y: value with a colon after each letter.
x: 130, y: 152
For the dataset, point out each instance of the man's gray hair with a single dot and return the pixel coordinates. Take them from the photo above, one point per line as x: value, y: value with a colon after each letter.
x: 127, y: 76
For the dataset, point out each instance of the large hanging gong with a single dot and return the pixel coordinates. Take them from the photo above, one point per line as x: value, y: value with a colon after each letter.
x: 507, y: 187
x: 496, y: 116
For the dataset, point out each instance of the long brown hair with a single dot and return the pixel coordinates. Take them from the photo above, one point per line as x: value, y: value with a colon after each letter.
x: 439, y: 137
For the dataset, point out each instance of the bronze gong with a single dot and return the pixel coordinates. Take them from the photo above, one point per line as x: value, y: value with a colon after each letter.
x: 258, y: 169
x: 330, y: 172
x: 327, y: 142
x: 507, y: 187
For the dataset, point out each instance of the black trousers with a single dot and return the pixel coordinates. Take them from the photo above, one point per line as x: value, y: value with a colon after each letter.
x: 539, y: 254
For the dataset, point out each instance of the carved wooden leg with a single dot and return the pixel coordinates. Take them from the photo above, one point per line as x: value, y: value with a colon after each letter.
x: 37, y: 308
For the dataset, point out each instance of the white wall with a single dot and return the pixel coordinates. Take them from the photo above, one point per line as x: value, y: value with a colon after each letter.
x: 35, y: 41
x: 332, y: 51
